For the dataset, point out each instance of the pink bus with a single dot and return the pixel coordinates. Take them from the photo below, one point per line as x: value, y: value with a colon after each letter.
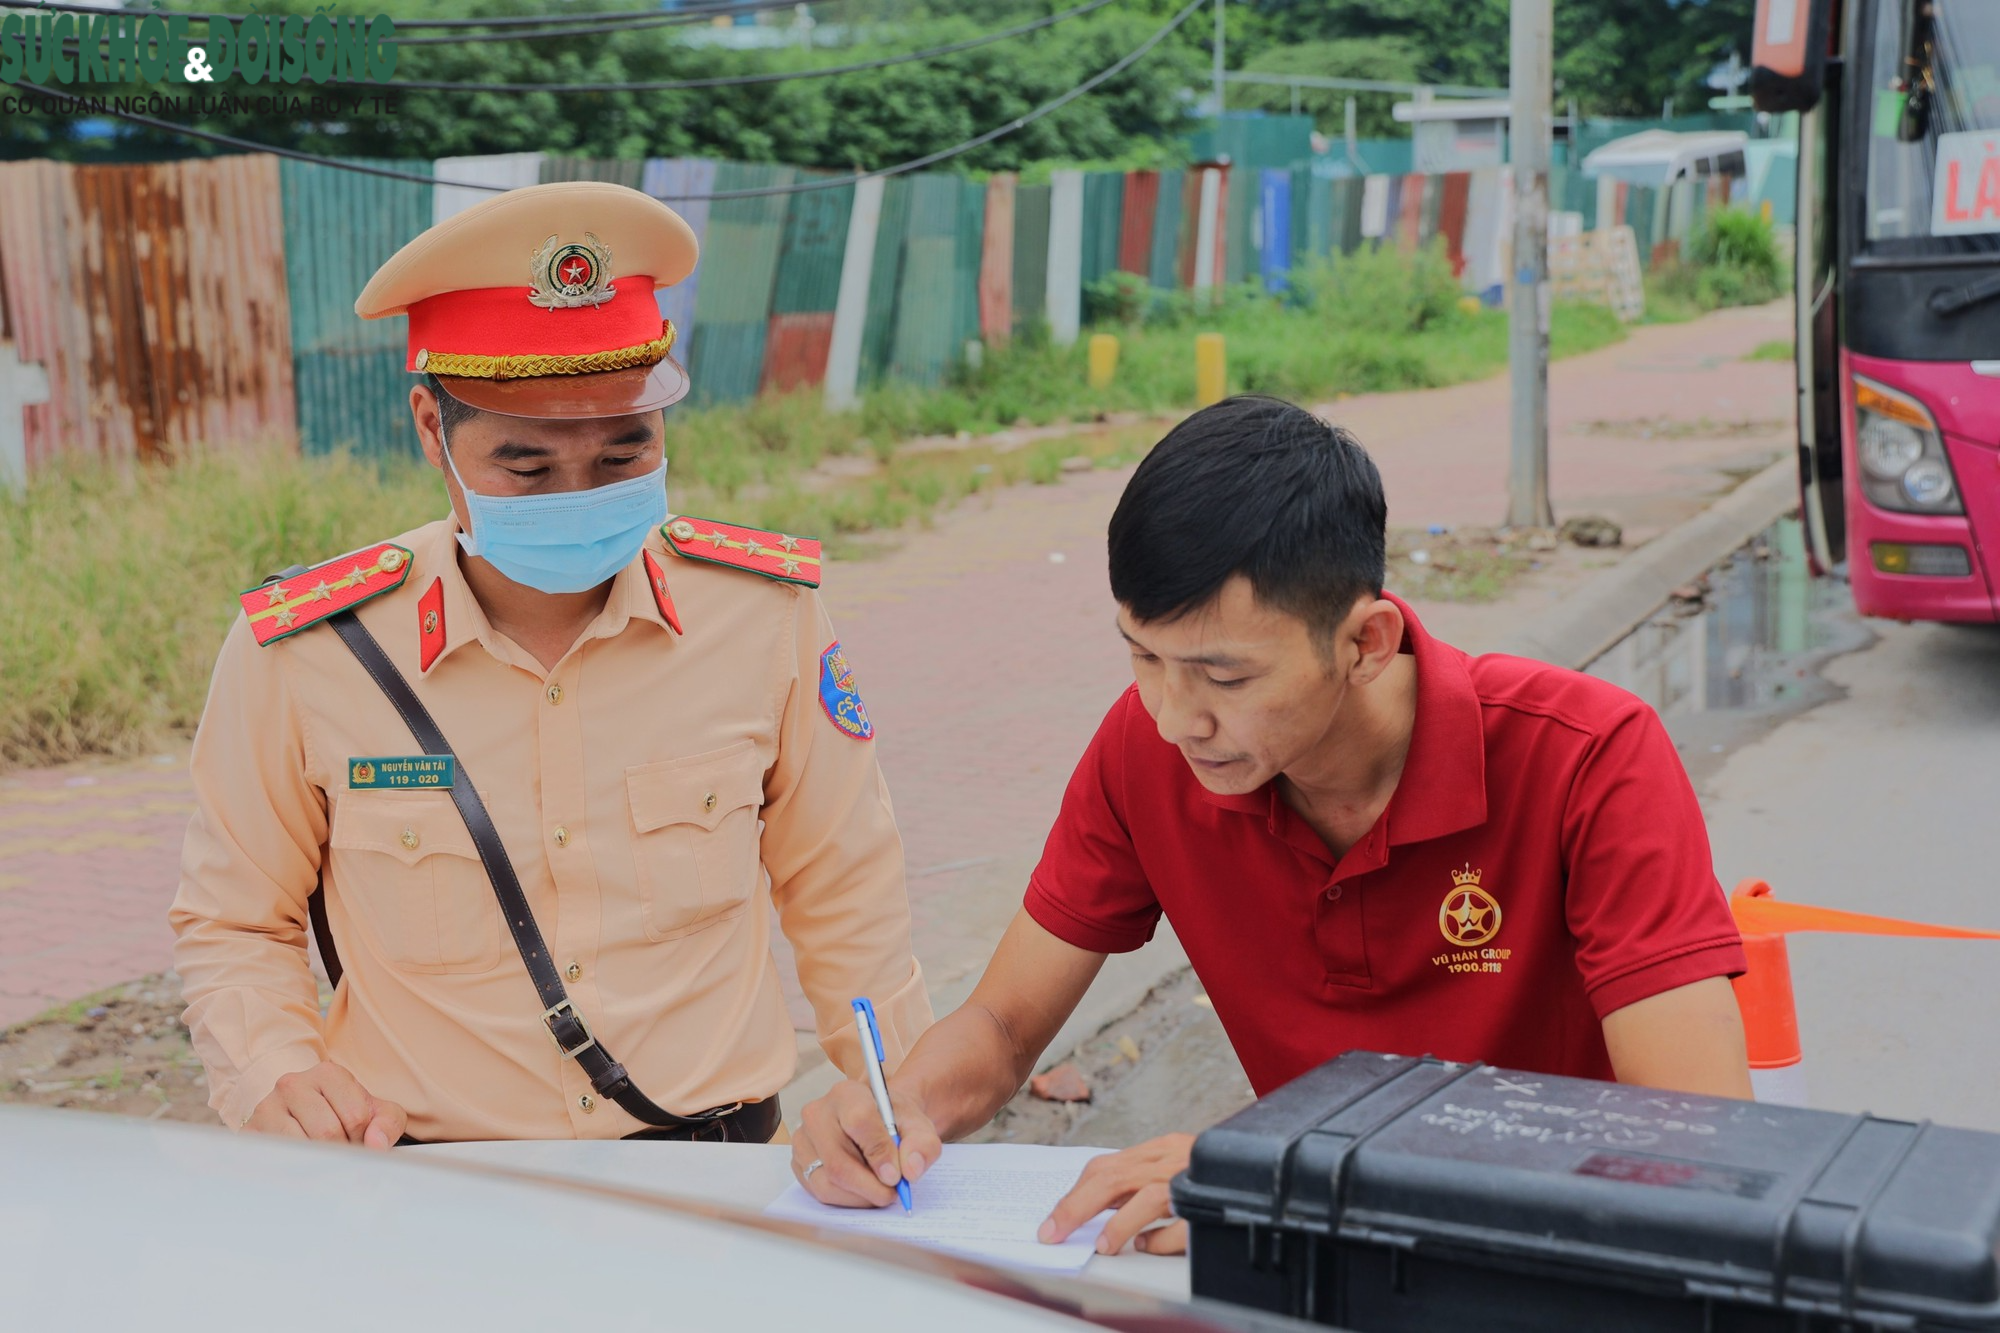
x: 1897, y: 282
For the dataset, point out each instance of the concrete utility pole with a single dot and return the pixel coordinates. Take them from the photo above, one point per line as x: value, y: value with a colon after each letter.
x: 1217, y: 50
x: 1528, y: 294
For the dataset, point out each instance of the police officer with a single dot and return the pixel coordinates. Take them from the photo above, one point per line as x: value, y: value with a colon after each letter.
x: 538, y: 771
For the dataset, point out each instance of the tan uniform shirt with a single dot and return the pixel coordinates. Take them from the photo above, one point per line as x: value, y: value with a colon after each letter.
x: 656, y: 792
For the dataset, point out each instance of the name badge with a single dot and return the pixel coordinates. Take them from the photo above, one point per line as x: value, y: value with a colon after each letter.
x: 401, y: 772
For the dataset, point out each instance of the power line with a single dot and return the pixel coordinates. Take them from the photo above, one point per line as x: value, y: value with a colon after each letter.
x: 700, y: 15
x: 1020, y: 122
x: 675, y: 18
x: 740, y: 80
x: 679, y: 18
x: 645, y: 16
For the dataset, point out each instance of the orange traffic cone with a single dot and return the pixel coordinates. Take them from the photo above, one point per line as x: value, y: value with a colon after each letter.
x: 1771, y: 1020
x: 1764, y: 992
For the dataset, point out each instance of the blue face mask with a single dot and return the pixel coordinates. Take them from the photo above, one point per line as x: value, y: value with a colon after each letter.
x: 568, y: 542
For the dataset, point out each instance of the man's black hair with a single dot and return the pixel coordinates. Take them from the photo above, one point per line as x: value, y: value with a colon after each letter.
x: 1253, y: 486
x: 451, y: 412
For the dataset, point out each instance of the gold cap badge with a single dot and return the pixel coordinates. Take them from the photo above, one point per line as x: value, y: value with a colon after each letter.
x: 567, y: 277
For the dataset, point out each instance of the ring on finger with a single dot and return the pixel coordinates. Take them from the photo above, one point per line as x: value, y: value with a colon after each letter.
x: 811, y: 1167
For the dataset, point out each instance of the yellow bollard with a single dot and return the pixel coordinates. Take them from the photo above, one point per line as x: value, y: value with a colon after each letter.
x: 1103, y: 360
x: 1764, y: 210
x: 1211, y: 371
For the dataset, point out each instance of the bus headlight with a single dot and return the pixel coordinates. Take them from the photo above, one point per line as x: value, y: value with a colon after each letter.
x: 1928, y: 482
x: 1887, y: 447
x: 1903, y: 463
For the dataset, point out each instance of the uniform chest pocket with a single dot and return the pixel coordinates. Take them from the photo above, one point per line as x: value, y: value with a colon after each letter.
x: 694, y: 822
x: 406, y: 863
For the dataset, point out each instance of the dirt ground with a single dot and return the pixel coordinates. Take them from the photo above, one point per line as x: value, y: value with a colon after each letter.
x: 1164, y: 1066
x: 123, y: 1050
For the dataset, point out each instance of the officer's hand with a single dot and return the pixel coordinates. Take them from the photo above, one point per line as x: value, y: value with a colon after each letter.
x: 1135, y: 1183
x: 328, y: 1103
x: 859, y: 1163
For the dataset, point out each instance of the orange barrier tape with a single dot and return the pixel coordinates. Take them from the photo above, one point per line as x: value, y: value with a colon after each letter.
x: 1758, y: 913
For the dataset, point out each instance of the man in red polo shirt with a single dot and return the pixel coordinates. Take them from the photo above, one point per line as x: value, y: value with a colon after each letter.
x: 1363, y: 837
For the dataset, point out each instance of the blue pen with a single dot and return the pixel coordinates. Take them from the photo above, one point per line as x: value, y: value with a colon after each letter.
x: 871, y: 1051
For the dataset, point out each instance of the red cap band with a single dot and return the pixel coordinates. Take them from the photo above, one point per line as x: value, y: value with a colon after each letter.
x: 500, y: 321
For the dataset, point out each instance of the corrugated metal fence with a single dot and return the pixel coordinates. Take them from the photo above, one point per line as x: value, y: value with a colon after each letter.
x: 155, y: 297
x: 348, y: 372
x: 212, y: 300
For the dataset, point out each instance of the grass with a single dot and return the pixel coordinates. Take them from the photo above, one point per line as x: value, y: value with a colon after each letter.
x: 1700, y: 428
x: 110, y: 643
x: 1667, y: 301
x: 1777, y: 349
x: 1732, y: 261
x: 1453, y: 570
x: 74, y: 1012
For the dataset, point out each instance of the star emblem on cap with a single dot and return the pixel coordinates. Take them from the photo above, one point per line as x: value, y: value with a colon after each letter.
x: 571, y: 276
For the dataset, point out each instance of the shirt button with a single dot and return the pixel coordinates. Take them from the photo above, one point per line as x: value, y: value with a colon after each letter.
x: 562, y: 836
x: 587, y: 1102
x: 555, y: 694
x: 410, y: 839
x: 1333, y: 894
x: 573, y: 971
x: 708, y: 801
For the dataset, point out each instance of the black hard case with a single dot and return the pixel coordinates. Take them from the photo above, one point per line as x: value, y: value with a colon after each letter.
x: 1384, y: 1193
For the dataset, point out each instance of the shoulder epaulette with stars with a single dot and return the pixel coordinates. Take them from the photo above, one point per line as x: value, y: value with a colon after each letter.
x: 282, y: 608
x: 775, y: 555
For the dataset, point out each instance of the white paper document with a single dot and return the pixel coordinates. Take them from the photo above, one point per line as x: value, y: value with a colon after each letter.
x: 982, y: 1200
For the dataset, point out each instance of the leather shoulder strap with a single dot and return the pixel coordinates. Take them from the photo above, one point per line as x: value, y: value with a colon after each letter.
x: 572, y: 1035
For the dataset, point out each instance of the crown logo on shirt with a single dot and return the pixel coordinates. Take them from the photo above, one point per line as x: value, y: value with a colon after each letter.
x: 1469, y: 916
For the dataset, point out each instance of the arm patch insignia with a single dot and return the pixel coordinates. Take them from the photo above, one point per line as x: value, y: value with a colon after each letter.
x: 838, y: 697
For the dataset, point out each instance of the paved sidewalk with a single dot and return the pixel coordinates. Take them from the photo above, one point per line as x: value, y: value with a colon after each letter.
x: 985, y: 651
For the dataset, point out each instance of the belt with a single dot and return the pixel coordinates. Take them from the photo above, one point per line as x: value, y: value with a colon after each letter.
x: 565, y: 1025
x: 750, y: 1122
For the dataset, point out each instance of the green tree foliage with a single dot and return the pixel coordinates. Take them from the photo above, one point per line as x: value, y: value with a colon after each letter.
x: 1614, y: 57
x: 864, y: 120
